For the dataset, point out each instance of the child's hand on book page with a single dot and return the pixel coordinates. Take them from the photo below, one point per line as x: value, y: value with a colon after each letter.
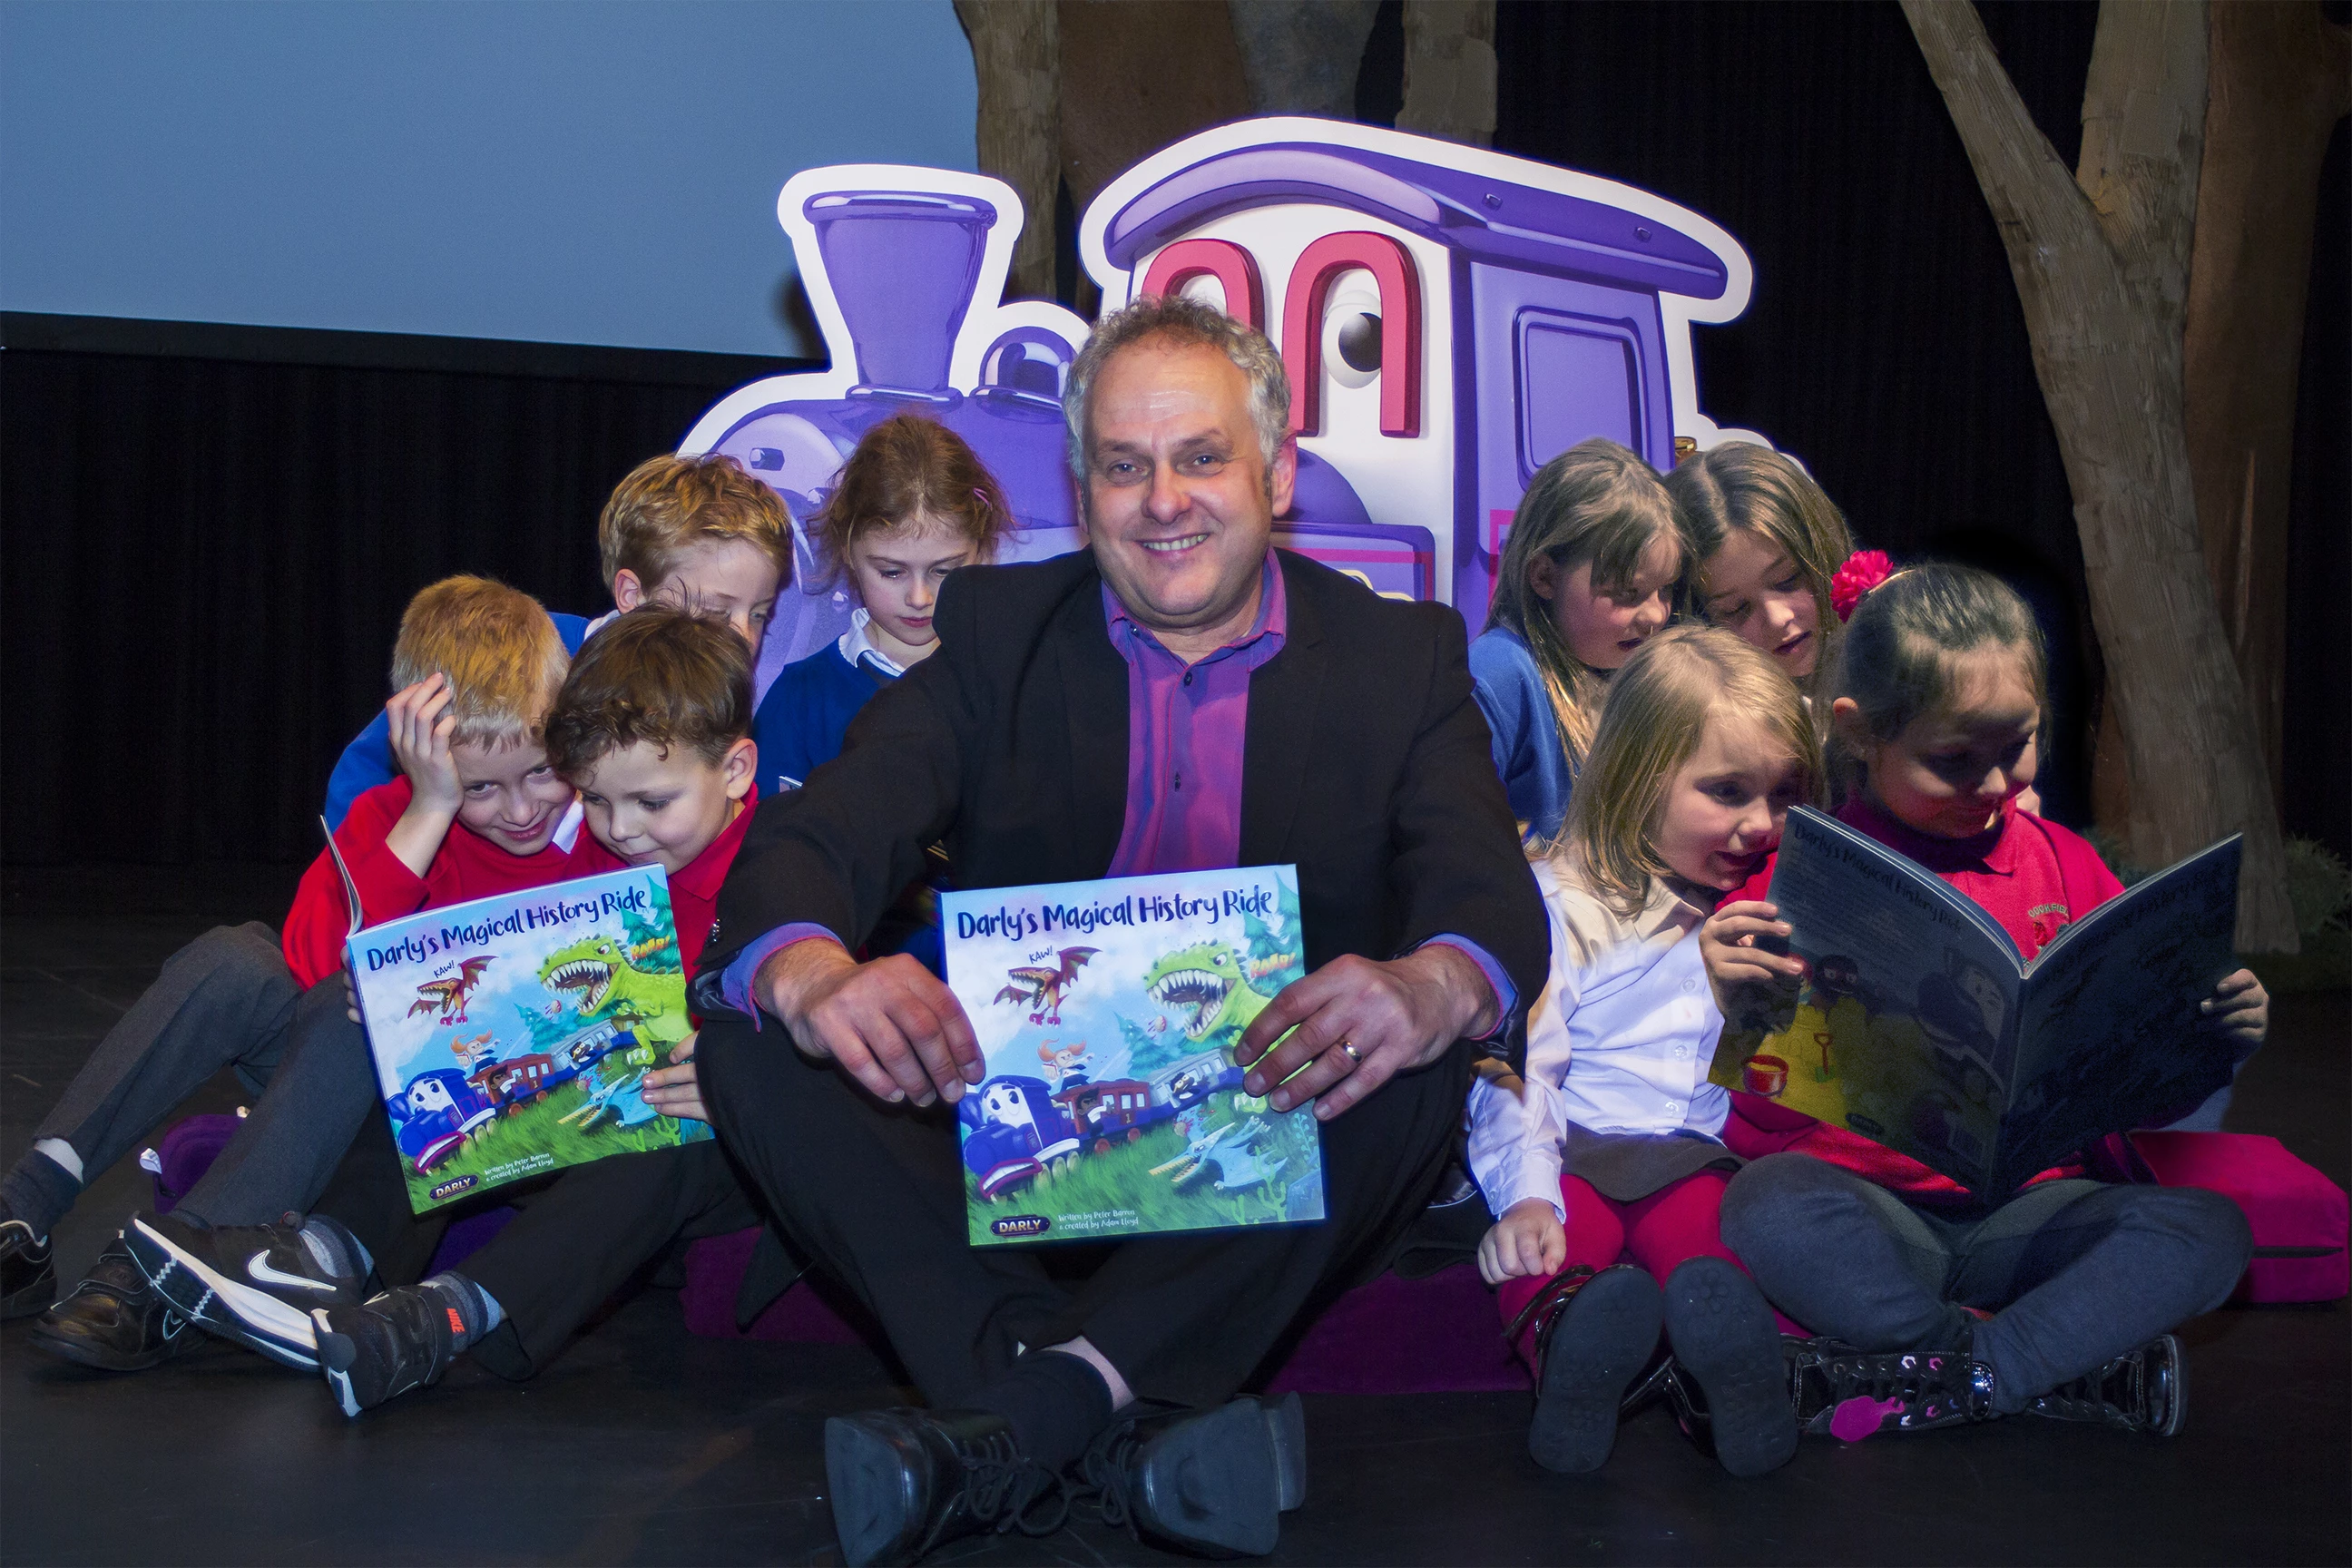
x: 672, y: 1090
x: 2239, y: 1010
x: 352, y: 997
x: 1748, y: 976
x: 420, y: 719
x: 1527, y: 1239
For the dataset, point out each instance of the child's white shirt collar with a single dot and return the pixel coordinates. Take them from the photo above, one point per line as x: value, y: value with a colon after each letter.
x: 856, y: 647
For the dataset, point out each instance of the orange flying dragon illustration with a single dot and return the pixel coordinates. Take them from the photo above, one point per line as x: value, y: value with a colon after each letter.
x: 449, y: 995
x: 1041, y: 988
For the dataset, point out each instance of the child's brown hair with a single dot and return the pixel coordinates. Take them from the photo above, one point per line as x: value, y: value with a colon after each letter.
x: 1595, y: 503
x: 905, y: 468
x: 1655, y: 718
x: 661, y: 676
x: 668, y: 505
x: 1895, y: 661
x: 503, y: 658
x: 1742, y: 488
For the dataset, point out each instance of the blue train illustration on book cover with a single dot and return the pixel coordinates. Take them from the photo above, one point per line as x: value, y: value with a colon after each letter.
x: 512, y: 1035
x: 1108, y: 1013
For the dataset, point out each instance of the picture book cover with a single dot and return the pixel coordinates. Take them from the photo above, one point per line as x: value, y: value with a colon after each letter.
x: 1108, y: 1013
x: 1921, y: 1026
x: 512, y: 1034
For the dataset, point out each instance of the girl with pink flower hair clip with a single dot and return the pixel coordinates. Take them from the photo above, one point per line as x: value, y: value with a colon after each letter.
x: 1770, y: 557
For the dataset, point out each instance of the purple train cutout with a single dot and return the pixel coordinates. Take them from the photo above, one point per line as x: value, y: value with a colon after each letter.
x: 1452, y: 319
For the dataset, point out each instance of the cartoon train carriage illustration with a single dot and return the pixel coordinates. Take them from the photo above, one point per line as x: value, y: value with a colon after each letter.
x: 1117, y: 1110
x: 1452, y: 319
x: 1015, y: 1132
x: 434, y: 1113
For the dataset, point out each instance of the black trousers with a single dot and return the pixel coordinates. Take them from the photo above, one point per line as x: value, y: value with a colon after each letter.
x: 577, y: 1238
x: 875, y: 1194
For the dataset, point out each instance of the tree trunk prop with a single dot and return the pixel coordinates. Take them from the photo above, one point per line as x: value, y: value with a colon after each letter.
x: 1016, y: 53
x: 2101, y: 261
x: 1300, y: 57
x: 2280, y: 78
x: 1449, y: 70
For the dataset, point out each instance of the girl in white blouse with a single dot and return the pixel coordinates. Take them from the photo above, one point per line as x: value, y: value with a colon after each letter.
x: 1610, y: 1146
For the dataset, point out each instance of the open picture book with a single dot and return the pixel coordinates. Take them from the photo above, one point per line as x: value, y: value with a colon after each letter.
x: 1108, y: 1013
x: 1921, y: 1026
x: 511, y: 1034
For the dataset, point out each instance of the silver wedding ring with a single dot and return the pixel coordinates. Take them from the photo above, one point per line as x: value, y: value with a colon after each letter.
x: 1349, y: 1046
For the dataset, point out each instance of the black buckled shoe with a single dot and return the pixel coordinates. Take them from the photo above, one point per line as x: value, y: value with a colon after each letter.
x: 2146, y: 1390
x: 1842, y: 1392
x: 386, y: 1346
x: 1209, y: 1482
x: 1727, y: 1344
x: 115, y: 1320
x: 904, y: 1481
x: 1594, y: 1334
x: 28, y: 1273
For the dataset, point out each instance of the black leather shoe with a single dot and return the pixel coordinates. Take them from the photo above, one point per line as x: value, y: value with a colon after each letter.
x: 1727, y: 1344
x: 1591, y: 1350
x: 114, y: 1320
x: 1850, y: 1395
x: 904, y: 1481
x: 1211, y: 1482
x: 28, y: 1274
x: 2144, y: 1391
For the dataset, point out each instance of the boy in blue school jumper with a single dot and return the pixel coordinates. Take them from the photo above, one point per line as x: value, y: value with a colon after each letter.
x: 697, y: 533
x: 913, y: 503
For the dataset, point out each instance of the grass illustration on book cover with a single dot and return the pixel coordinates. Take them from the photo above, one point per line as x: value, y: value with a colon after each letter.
x: 512, y: 1035
x: 1108, y: 1013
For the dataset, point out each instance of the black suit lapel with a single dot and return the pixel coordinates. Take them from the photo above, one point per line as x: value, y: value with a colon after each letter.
x: 1094, y: 683
x: 1284, y: 707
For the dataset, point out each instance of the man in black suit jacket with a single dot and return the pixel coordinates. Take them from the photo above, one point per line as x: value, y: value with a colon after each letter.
x: 1079, y: 719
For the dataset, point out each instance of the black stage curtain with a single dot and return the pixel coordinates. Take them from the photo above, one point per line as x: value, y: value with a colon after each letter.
x: 1885, y: 345
x: 208, y: 553
x: 207, y: 560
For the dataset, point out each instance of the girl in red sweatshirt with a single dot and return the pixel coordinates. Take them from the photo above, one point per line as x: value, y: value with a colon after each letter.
x: 1941, y: 1307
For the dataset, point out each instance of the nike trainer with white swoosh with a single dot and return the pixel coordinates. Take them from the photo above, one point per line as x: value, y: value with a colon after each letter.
x: 255, y: 1284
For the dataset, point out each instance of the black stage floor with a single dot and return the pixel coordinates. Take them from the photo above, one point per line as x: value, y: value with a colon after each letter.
x: 645, y: 1445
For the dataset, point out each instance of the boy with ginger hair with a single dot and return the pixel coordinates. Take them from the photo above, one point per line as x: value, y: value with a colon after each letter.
x: 652, y: 725
x: 478, y: 811
x: 696, y: 533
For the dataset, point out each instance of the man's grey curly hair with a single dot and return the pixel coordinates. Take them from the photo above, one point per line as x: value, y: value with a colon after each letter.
x: 1184, y: 322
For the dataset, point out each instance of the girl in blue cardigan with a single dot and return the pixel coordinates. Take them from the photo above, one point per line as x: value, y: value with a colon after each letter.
x: 912, y: 504
x: 1586, y: 576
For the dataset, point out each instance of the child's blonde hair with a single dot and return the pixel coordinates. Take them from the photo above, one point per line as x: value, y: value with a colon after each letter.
x: 1595, y: 503
x: 1655, y: 718
x: 503, y: 656
x: 1897, y: 656
x: 668, y: 505
x: 905, y: 468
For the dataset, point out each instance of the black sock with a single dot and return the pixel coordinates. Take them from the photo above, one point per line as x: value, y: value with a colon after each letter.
x: 38, y: 1192
x: 1056, y: 1401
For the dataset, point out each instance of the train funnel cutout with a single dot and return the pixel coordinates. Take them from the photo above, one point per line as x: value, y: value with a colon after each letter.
x: 1451, y: 318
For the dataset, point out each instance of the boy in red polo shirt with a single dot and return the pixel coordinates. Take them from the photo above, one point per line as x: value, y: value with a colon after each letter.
x: 477, y: 812
x: 653, y: 726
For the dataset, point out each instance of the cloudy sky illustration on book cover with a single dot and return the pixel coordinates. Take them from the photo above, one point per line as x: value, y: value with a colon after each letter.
x: 511, y: 1034
x: 1108, y: 1013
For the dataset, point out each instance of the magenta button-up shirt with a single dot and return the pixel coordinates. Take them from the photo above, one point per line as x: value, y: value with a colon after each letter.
x: 1185, y: 729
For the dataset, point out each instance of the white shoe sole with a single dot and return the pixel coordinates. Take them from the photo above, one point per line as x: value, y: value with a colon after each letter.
x: 229, y: 1308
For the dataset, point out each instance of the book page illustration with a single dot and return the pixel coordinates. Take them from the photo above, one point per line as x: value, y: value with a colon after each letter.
x: 1108, y: 1013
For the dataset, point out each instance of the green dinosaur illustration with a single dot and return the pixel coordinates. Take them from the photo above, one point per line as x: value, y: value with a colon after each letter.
x: 1211, y: 981
x: 602, y: 978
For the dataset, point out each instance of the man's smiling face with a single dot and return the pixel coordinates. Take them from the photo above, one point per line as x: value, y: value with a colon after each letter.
x: 1181, y: 501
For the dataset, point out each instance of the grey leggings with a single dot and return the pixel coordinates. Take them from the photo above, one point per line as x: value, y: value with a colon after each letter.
x: 228, y: 1000
x: 2076, y: 1272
